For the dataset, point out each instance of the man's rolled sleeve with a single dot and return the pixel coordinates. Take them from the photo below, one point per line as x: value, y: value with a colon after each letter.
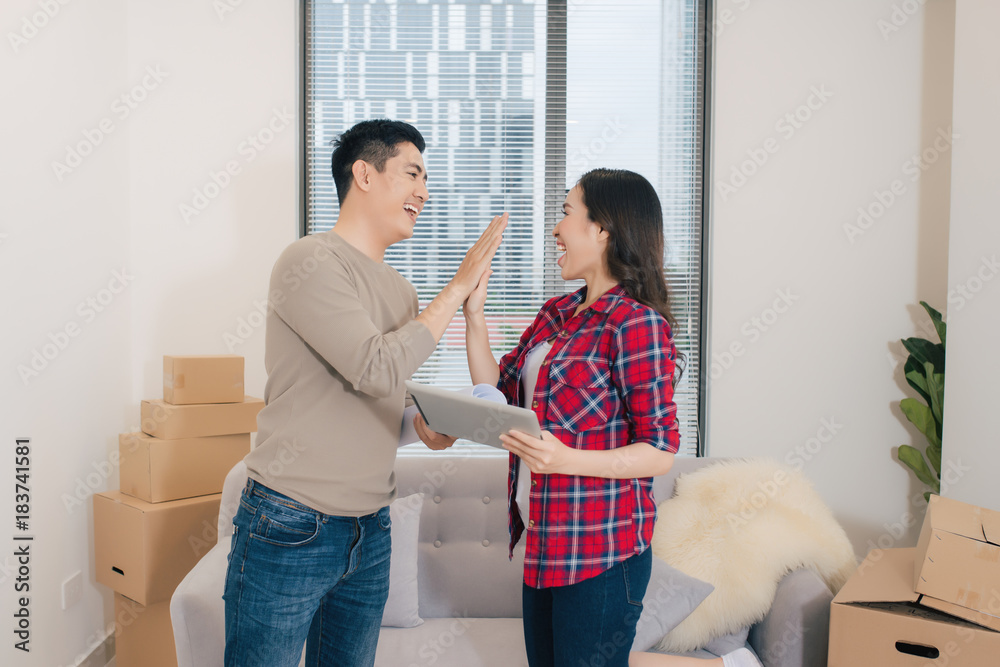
x: 643, y: 369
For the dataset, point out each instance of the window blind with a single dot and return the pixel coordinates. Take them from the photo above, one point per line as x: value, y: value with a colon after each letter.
x: 516, y: 100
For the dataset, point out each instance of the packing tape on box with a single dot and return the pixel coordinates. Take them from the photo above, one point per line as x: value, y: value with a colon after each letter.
x: 173, y: 381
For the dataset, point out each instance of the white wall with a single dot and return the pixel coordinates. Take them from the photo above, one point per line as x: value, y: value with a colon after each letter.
x: 216, y: 81
x: 232, y: 87
x: 826, y: 359
x: 972, y: 392
x: 64, y: 239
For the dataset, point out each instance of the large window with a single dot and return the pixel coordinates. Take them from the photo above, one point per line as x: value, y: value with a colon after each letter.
x: 517, y: 100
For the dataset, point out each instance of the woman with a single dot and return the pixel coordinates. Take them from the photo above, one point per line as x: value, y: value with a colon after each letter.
x: 597, y: 366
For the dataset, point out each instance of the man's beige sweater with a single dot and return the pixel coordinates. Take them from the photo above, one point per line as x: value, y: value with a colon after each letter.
x: 341, y: 341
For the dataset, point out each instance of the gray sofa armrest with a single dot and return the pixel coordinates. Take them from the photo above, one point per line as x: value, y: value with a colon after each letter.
x: 795, y: 632
x: 198, y: 613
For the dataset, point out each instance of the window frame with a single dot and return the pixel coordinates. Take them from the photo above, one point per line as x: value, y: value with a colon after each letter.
x: 553, y: 196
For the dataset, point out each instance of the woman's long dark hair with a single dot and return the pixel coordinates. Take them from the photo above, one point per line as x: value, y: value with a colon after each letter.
x: 625, y: 205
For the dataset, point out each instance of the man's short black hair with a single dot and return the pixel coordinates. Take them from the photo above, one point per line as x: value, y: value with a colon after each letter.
x: 373, y: 141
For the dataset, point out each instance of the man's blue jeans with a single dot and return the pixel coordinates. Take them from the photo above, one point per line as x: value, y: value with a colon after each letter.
x: 299, y: 576
x: 590, y: 623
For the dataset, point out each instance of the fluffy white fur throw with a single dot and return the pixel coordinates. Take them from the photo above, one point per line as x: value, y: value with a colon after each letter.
x: 741, y: 525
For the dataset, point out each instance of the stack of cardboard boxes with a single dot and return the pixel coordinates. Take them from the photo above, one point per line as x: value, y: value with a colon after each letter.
x: 934, y: 604
x: 148, y: 535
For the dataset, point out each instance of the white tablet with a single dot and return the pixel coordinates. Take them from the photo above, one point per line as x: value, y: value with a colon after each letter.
x: 476, y: 419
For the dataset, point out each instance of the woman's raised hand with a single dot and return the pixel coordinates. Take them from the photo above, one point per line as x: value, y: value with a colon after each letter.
x: 477, y: 259
x: 474, y: 304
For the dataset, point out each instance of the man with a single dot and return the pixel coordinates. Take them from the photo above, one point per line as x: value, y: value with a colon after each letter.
x: 309, y: 560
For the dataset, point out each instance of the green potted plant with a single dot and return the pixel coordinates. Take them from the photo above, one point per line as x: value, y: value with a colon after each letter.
x: 924, y: 371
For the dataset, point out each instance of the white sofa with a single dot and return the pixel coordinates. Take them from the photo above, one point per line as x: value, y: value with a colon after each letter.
x: 469, y: 593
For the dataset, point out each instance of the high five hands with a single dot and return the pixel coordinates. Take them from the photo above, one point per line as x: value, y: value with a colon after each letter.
x: 477, y: 260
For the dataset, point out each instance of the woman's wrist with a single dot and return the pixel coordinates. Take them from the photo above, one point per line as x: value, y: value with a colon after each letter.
x: 475, y: 320
x: 577, y: 462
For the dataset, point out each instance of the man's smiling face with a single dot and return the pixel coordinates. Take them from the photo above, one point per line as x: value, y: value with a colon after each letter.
x: 400, y: 191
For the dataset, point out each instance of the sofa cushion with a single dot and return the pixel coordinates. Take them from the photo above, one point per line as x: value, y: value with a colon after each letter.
x: 720, y: 646
x: 464, y: 642
x: 463, y: 568
x: 670, y: 596
x: 402, y: 608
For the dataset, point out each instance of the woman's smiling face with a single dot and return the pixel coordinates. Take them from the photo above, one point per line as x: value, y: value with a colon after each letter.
x: 581, y: 240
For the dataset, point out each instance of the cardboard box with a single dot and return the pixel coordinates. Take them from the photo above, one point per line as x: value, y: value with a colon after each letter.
x: 876, y: 621
x: 958, y: 559
x: 144, y: 636
x: 143, y: 550
x: 171, y: 422
x: 202, y: 379
x: 157, y: 470
x: 988, y: 620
